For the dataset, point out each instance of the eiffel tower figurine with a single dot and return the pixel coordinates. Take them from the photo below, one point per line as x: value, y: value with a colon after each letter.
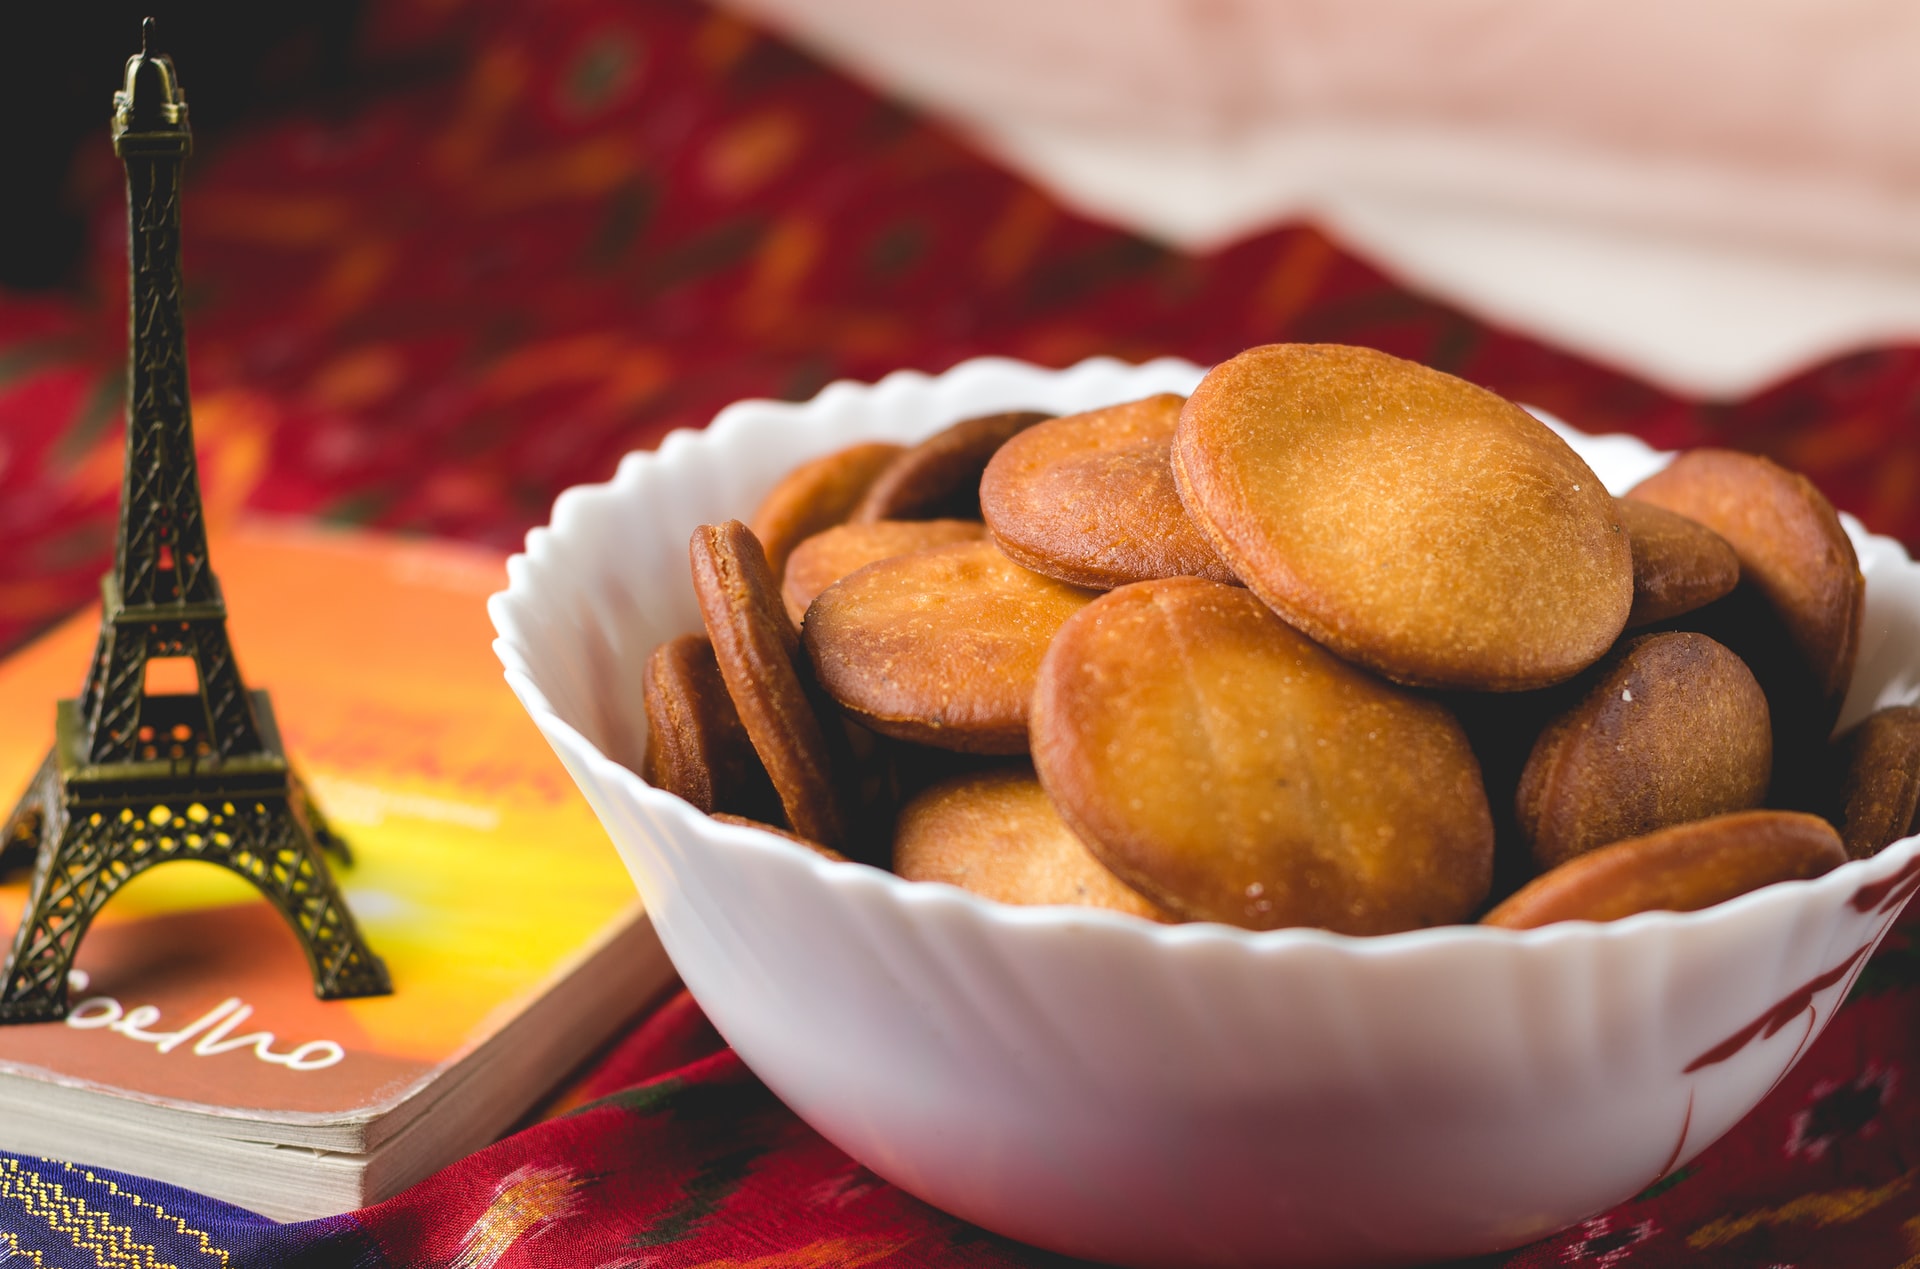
x: 136, y: 778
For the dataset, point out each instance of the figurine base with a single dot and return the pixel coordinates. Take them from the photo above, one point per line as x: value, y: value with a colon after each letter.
x: 95, y: 829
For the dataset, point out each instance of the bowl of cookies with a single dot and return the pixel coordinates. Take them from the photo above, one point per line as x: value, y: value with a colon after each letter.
x: 1308, y: 811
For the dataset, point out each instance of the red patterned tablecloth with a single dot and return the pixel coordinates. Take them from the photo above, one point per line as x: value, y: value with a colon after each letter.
x: 599, y: 221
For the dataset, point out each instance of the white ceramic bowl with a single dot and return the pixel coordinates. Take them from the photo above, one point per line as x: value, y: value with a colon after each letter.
x: 1186, y: 1095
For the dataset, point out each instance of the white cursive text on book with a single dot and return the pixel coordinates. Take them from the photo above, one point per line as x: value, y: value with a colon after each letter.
x: 214, y: 1028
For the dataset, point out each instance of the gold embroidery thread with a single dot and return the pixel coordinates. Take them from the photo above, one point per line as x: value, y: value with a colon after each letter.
x: 206, y: 1244
x: 529, y: 1200
x: 1820, y: 1210
x: 11, y: 1245
x: 112, y: 1244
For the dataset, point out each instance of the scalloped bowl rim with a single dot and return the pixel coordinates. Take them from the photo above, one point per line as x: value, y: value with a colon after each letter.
x: 1769, y: 901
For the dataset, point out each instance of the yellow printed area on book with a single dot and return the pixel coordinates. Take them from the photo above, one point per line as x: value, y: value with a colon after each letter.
x: 479, y: 873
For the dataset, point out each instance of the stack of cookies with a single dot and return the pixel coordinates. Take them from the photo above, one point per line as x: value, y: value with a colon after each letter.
x: 1337, y: 641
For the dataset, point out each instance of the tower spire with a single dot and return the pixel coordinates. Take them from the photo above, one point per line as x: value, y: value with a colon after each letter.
x: 162, y: 598
x: 161, y: 554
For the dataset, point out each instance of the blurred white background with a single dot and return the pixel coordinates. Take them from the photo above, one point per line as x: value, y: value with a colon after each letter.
x: 1710, y: 193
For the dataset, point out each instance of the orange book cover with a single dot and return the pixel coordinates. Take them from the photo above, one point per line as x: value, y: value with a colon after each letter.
x: 478, y: 872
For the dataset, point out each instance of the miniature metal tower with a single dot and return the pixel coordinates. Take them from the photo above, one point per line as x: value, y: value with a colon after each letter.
x: 137, y: 778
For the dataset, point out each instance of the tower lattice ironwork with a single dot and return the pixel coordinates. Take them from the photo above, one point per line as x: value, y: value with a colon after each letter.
x: 137, y: 778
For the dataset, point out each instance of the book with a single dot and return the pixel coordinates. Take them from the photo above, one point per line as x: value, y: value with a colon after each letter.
x: 195, y: 1051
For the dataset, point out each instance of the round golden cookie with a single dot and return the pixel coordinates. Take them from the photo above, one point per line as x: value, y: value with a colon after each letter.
x: 1880, y: 781
x: 940, y: 477
x: 741, y: 821
x: 1674, y: 729
x: 825, y: 558
x: 1678, y: 564
x: 755, y: 646
x: 1408, y: 520
x: 1790, y: 546
x: 1678, y: 869
x: 697, y: 748
x: 1090, y: 499
x: 939, y: 647
x: 996, y: 834
x: 817, y: 495
x: 1795, y: 617
x: 1231, y: 769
